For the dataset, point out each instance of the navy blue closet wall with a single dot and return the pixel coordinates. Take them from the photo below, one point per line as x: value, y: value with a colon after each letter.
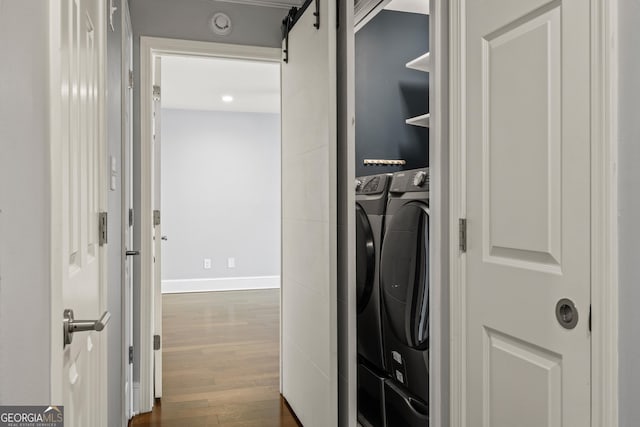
x: 388, y: 93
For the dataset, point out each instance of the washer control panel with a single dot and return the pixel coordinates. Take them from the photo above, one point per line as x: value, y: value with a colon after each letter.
x: 410, y: 181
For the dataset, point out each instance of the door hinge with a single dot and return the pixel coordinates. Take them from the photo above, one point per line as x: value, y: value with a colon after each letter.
x: 156, y: 217
x: 130, y: 355
x: 156, y: 93
x: 130, y: 79
x: 131, y: 217
x: 462, y: 234
x: 156, y: 342
x: 102, y: 228
x: 589, y: 317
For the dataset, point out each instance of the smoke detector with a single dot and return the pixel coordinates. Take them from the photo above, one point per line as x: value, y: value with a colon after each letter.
x: 220, y: 24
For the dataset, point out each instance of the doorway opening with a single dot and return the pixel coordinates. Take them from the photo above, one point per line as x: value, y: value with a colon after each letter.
x: 214, y: 189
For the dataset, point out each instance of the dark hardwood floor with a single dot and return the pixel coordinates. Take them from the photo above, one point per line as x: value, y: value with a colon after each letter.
x: 220, y: 361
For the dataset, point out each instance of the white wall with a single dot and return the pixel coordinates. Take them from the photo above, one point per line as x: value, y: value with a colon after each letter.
x: 25, y: 285
x: 629, y: 211
x: 220, y: 198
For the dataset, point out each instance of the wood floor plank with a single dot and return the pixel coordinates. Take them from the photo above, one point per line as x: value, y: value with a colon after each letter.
x: 221, y: 362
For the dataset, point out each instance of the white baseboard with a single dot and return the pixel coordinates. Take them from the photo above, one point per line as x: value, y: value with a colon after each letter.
x: 220, y: 284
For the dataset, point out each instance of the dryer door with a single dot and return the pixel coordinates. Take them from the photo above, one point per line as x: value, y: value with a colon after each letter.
x: 365, y: 258
x: 404, y: 274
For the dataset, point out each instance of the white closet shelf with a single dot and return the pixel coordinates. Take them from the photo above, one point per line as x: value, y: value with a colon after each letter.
x: 421, y: 63
x: 422, y: 120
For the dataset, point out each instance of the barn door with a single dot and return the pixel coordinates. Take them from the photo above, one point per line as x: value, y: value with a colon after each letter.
x: 309, y: 216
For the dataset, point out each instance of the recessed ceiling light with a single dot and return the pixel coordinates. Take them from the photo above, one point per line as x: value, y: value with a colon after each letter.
x: 227, y: 98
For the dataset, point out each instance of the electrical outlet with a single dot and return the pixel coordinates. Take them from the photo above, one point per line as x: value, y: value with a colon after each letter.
x: 207, y: 263
x: 231, y: 262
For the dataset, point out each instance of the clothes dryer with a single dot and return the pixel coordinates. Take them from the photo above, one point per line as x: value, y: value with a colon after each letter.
x: 404, y: 281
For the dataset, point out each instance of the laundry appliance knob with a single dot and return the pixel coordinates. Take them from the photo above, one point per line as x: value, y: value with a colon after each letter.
x: 419, y: 178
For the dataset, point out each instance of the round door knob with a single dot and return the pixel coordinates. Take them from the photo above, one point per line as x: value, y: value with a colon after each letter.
x: 567, y: 313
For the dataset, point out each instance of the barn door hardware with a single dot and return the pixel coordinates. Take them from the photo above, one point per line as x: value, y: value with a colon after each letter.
x: 317, y: 15
x: 287, y: 24
x: 292, y: 18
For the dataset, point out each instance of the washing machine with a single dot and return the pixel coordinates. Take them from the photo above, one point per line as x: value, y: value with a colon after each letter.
x: 404, y: 283
x: 371, y: 202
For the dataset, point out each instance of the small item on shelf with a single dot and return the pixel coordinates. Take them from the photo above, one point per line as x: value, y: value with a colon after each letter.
x: 383, y: 162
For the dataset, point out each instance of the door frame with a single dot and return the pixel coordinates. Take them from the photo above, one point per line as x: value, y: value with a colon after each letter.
x: 439, y: 333
x: 151, y: 47
x: 439, y: 86
x: 126, y: 162
x: 604, y: 256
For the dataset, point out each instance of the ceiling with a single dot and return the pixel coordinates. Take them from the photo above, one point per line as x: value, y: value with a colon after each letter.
x: 269, y: 3
x: 194, y: 83
x: 415, y: 6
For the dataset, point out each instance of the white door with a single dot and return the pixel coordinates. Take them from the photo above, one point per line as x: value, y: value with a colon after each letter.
x: 309, y: 219
x: 127, y: 202
x: 528, y: 212
x: 79, y: 184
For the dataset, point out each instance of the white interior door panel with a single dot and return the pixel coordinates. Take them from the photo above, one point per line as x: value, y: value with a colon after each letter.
x: 78, y: 191
x: 528, y: 212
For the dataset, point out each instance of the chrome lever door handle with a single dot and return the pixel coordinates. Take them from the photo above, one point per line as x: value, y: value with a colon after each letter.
x: 70, y: 325
x: 130, y: 253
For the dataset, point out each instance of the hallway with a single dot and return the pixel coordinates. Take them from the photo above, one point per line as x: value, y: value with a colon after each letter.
x: 221, y: 361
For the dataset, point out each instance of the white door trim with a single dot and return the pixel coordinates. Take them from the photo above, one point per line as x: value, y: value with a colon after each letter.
x: 457, y: 209
x: 438, y: 204
x: 127, y: 64
x: 604, y: 259
x: 604, y: 219
x: 150, y: 47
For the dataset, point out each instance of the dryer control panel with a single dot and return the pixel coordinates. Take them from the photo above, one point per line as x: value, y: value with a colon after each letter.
x: 374, y: 184
x: 410, y: 181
